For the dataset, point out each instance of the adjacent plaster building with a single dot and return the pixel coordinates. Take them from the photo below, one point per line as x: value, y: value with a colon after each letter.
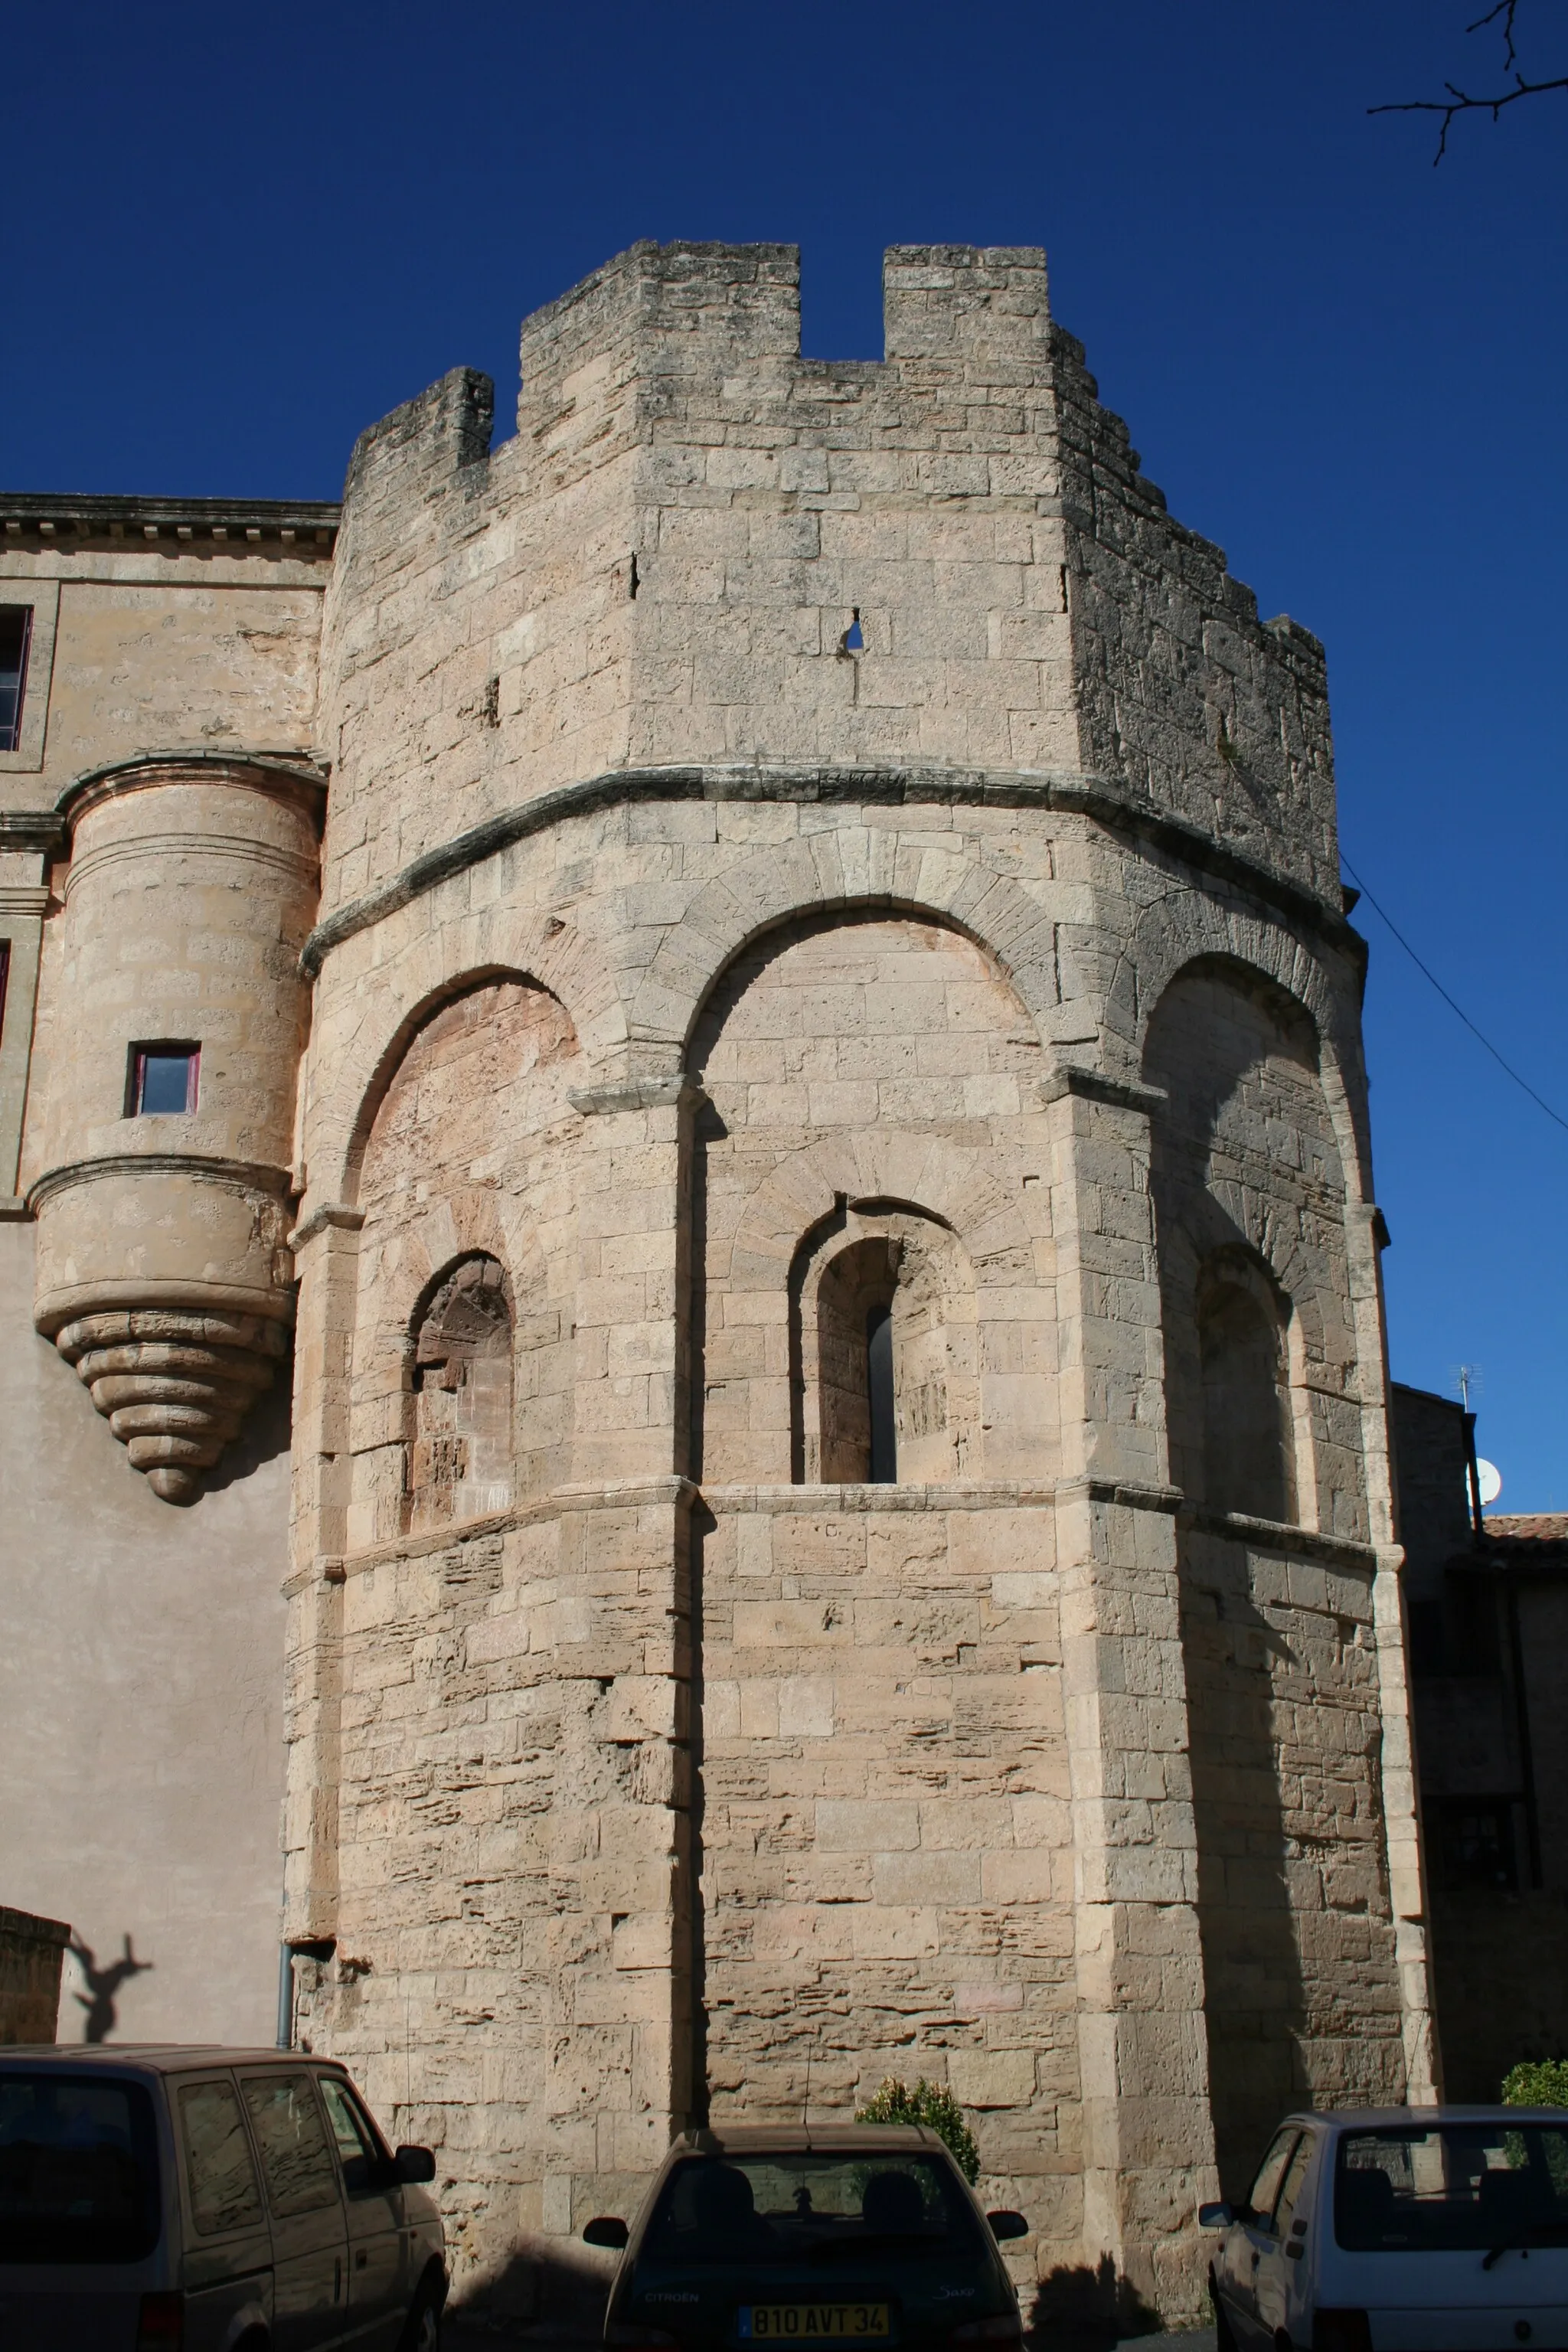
x: 745, y: 996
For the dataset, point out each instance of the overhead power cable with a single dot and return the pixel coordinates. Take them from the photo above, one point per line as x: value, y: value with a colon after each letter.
x: 1429, y: 975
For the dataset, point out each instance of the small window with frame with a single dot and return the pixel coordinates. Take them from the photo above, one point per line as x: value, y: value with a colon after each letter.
x: 163, y: 1075
x: 15, y: 639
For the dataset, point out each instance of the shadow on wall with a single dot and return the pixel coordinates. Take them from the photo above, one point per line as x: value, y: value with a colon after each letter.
x: 1078, y: 2309
x: 1254, y: 2005
x: 265, y: 1432
x: 1238, y: 1063
x: 102, y: 1984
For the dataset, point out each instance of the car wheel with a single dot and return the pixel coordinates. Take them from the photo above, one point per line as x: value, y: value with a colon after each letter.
x: 422, y: 2329
x: 1224, y: 2334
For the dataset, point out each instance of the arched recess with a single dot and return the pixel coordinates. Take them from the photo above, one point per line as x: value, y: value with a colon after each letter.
x: 1247, y: 1169
x: 395, y: 1000
x: 469, y: 1154
x: 1264, y: 1396
x: 860, y: 1068
x: 1186, y: 927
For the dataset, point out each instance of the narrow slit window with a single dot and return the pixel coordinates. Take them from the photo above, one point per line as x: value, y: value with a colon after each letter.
x: 884, y: 1465
x: 163, y: 1077
x: 15, y: 635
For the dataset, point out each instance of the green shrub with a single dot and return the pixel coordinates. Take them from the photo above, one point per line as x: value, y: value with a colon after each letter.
x: 1537, y: 2082
x: 940, y: 2112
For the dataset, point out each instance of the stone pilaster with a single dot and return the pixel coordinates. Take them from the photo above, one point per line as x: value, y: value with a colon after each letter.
x: 1147, y: 2139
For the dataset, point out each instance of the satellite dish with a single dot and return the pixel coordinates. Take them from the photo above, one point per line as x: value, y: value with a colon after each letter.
x: 1489, y: 1477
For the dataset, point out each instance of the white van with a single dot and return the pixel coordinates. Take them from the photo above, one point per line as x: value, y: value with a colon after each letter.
x: 207, y: 2200
x: 1400, y: 2230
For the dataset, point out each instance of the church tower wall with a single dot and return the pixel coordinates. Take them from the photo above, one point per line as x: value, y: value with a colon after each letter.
x: 887, y: 874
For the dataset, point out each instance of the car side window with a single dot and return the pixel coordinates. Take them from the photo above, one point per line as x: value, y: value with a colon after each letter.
x: 1264, y: 2194
x: 1291, y: 2188
x: 357, y: 2150
x: 296, y: 2162
x: 219, y: 2170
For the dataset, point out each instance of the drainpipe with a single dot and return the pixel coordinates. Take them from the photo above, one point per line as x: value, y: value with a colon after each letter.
x: 285, y: 1997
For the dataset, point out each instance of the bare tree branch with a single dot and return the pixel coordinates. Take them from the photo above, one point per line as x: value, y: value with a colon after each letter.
x: 1504, y: 9
x: 1460, y: 101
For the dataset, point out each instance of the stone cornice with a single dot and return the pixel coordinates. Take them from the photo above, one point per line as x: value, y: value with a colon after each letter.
x: 291, y: 773
x: 967, y: 1495
x: 1271, y: 1535
x: 1069, y: 793
x: 1093, y: 1085
x: 333, y: 1216
x: 632, y: 1094
x: 674, y: 1491
x: 245, y: 1175
x: 31, y: 829
x: 281, y: 526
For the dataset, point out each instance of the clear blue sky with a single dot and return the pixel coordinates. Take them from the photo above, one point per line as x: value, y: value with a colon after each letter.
x: 237, y: 236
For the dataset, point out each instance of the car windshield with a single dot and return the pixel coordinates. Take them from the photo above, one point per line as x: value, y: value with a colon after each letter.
x: 1454, y: 2187
x: 78, y: 2169
x: 800, y: 2211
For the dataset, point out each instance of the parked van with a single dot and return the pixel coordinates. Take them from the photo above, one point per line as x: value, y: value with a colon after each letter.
x: 1399, y: 2230
x: 179, y: 2199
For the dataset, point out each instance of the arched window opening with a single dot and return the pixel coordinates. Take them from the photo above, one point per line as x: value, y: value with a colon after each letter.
x: 883, y: 1351
x: 1248, y: 1446
x: 854, y: 1345
x: 459, y: 1455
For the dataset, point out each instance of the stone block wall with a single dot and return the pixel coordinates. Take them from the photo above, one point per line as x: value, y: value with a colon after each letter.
x: 887, y: 1829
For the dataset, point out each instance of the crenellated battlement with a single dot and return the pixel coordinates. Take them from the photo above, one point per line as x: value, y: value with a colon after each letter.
x: 701, y: 547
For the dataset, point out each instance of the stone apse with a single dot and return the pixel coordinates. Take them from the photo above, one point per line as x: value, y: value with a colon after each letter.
x: 841, y: 1519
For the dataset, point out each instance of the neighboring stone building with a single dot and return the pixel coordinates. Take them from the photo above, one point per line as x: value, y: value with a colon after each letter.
x: 1488, y: 1609
x: 30, y: 1952
x: 841, y: 1512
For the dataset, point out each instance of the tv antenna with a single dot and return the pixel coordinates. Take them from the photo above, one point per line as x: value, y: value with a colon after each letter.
x: 1469, y: 1376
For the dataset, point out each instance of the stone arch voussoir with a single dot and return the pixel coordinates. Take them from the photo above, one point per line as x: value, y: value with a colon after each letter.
x: 1233, y: 1213
x: 862, y: 870
x: 469, y: 1221
x: 1190, y: 926
x: 921, y: 1172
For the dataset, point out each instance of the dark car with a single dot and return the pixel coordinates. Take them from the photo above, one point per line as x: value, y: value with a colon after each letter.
x: 855, y: 2235
x: 207, y: 2200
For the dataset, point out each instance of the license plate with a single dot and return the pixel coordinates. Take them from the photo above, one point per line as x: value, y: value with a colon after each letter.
x: 814, y: 2323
